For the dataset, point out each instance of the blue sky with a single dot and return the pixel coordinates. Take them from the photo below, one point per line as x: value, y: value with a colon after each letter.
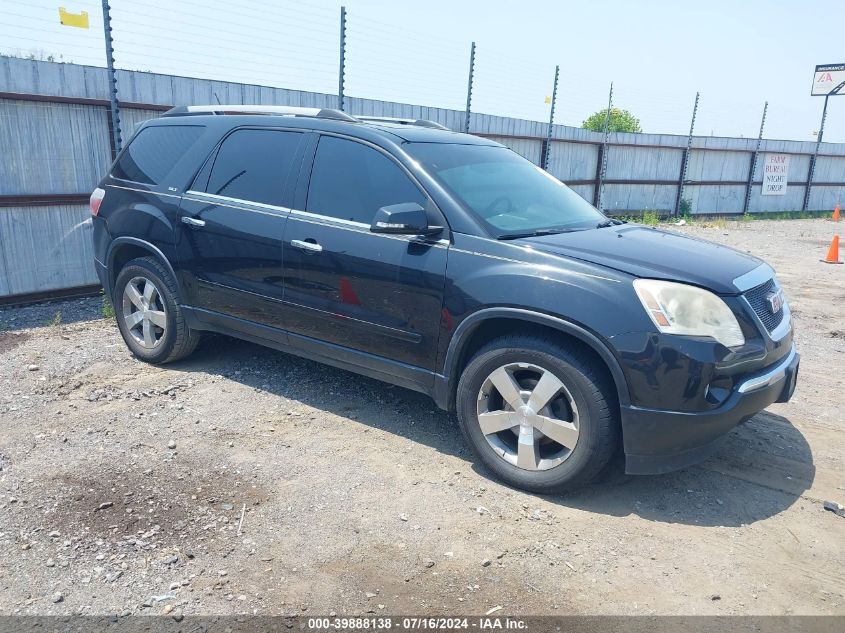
x: 658, y: 54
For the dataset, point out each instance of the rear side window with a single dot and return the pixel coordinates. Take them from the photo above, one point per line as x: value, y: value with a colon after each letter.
x: 351, y: 181
x: 154, y: 151
x: 253, y: 165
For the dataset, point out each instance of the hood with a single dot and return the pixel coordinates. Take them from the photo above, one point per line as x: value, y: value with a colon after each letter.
x: 653, y: 253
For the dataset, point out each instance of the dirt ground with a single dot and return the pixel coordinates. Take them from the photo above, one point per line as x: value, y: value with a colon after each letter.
x: 246, y: 481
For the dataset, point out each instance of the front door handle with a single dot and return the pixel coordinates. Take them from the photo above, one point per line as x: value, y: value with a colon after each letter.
x: 186, y: 219
x: 306, y: 245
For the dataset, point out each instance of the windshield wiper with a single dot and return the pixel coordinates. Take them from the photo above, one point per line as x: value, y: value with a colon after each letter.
x: 609, y: 222
x: 537, y: 233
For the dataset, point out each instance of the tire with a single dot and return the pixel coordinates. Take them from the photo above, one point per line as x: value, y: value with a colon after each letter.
x: 148, y: 314
x: 583, y: 413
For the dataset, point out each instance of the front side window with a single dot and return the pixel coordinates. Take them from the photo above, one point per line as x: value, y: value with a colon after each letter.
x: 509, y: 193
x: 253, y: 165
x: 351, y: 181
x: 154, y: 151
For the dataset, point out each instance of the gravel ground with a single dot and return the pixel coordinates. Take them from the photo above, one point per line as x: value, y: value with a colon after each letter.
x: 59, y: 312
x: 242, y: 481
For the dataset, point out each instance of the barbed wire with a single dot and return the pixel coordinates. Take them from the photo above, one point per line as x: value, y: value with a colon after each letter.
x: 294, y: 44
x: 424, y: 76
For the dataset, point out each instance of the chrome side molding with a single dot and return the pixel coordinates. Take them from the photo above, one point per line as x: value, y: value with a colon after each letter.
x: 770, y: 377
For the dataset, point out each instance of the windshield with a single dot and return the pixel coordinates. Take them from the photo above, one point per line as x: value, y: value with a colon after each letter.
x: 511, y: 195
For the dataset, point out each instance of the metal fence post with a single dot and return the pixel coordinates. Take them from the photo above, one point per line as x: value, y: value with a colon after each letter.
x: 812, y: 170
x: 469, y: 86
x: 548, y: 151
x: 341, y: 73
x: 753, y: 166
x: 685, y: 161
x: 113, y: 104
x: 599, y: 163
x: 603, y: 151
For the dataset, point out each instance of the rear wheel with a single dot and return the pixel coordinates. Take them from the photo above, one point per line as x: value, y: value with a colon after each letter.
x: 148, y: 314
x: 541, y: 416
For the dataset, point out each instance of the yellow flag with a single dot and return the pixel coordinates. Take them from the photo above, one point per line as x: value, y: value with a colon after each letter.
x: 548, y: 99
x: 79, y: 20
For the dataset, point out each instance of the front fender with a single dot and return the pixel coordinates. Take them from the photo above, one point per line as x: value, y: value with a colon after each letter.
x: 447, y: 381
x: 493, y: 279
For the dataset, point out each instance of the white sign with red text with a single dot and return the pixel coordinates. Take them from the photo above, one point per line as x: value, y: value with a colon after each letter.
x: 829, y: 80
x: 775, y: 174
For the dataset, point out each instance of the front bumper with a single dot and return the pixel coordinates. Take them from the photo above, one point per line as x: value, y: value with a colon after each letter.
x: 659, y: 441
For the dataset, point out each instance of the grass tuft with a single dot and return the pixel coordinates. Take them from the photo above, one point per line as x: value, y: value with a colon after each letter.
x: 650, y: 218
x: 108, y: 308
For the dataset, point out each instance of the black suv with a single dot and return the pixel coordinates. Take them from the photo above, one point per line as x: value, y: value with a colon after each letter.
x: 448, y: 264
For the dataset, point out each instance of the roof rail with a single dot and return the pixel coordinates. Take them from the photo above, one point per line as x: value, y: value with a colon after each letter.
x: 321, y: 113
x: 402, y: 121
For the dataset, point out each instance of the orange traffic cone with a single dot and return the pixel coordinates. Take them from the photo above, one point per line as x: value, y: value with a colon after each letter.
x: 836, y: 213
x: 833, y: 253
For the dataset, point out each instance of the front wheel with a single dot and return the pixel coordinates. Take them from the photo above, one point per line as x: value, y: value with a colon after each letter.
x: 149, y: 318
x: 541, y: 416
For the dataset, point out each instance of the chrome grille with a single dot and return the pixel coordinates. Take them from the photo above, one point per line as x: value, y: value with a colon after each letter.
x: 756, y: 298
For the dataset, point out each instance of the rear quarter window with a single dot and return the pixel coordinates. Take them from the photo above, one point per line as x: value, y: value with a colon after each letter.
x: 154, y: 151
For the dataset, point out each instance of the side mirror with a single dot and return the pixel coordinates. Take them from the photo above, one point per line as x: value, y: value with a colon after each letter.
x: 407, y: 218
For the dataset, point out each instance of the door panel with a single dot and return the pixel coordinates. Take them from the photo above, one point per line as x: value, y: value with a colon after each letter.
x: 230, y: 236
x: 233, y: 262
x: 374, y: 293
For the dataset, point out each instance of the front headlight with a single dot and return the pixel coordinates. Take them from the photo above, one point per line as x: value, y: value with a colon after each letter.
x: 681, y: 309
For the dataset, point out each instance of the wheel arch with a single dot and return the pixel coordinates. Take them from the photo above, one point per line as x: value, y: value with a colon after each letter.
x: 125, y: 249
x: 489, y: 323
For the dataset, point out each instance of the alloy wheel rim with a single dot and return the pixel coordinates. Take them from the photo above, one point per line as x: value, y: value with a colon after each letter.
x: 144, y: 312
x: 528, y: 416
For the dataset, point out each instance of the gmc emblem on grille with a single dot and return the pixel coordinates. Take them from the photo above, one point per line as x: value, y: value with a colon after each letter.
x: 775, y: 301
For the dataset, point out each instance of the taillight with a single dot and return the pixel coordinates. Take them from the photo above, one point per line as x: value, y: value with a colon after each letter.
x: 96, y: 200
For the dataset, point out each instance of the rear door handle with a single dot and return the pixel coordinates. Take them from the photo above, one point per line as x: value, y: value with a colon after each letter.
x: 186, y: 219
x: 306, y: 246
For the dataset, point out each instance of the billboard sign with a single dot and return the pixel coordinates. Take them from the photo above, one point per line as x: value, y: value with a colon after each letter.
x: 775, y: 174
x: 828, y: 80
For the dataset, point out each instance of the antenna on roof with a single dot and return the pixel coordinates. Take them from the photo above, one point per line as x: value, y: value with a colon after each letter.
x: 217, y: 98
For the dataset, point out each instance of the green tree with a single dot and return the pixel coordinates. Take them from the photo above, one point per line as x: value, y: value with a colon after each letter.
x: 620, y: 121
